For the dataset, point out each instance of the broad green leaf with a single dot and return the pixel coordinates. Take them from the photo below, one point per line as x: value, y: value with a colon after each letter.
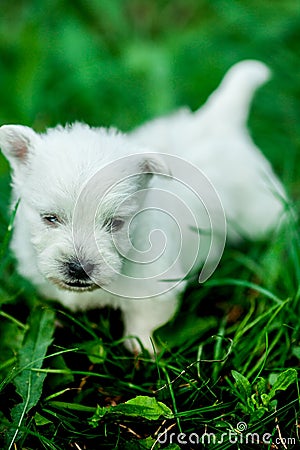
x: 284, y: 380
x: 243, y: 385
x: 141, y: 406
x: 28, y: 383
x: 147, y: 407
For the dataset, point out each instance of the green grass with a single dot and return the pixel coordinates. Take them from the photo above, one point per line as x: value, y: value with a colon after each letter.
x: 231, y: 356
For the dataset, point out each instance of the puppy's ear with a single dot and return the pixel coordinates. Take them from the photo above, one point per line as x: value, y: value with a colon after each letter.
x: 16, y: 143
x: 148, y: 165
x: 154, y: 163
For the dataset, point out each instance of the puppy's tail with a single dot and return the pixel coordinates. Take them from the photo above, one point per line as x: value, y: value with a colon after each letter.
x: 231, y: 101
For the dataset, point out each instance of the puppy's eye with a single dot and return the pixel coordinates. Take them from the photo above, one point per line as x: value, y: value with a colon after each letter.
x: 113, y: 224
x: 51, y: 219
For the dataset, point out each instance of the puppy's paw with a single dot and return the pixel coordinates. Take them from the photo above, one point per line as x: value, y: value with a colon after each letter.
x: 137, y: 344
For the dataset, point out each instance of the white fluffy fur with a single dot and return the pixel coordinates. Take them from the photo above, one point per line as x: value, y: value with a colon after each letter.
x: 85, y: 177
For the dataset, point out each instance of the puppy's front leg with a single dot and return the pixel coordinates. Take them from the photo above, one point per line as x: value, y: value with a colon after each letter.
x: 143, y: 316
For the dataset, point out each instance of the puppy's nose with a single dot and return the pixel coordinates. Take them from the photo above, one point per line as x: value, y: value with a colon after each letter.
x: 78, y: 270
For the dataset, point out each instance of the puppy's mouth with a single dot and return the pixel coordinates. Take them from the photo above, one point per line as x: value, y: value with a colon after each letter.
x: 75, y: 285
x: 79, y: 286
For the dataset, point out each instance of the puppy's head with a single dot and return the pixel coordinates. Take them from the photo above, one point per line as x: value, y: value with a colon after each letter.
x: 79, y: 191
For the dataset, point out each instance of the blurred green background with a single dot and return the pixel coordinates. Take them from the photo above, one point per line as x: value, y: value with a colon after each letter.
x: 121, y: 62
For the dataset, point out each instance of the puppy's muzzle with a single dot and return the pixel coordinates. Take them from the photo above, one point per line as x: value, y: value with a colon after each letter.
x: 75, y: 269
x: 78, y: 274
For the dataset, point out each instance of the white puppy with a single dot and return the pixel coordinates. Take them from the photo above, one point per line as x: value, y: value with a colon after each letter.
x: 112, y: 219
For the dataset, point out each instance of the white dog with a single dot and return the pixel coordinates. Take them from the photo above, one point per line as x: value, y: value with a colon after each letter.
x: 111, y: 219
